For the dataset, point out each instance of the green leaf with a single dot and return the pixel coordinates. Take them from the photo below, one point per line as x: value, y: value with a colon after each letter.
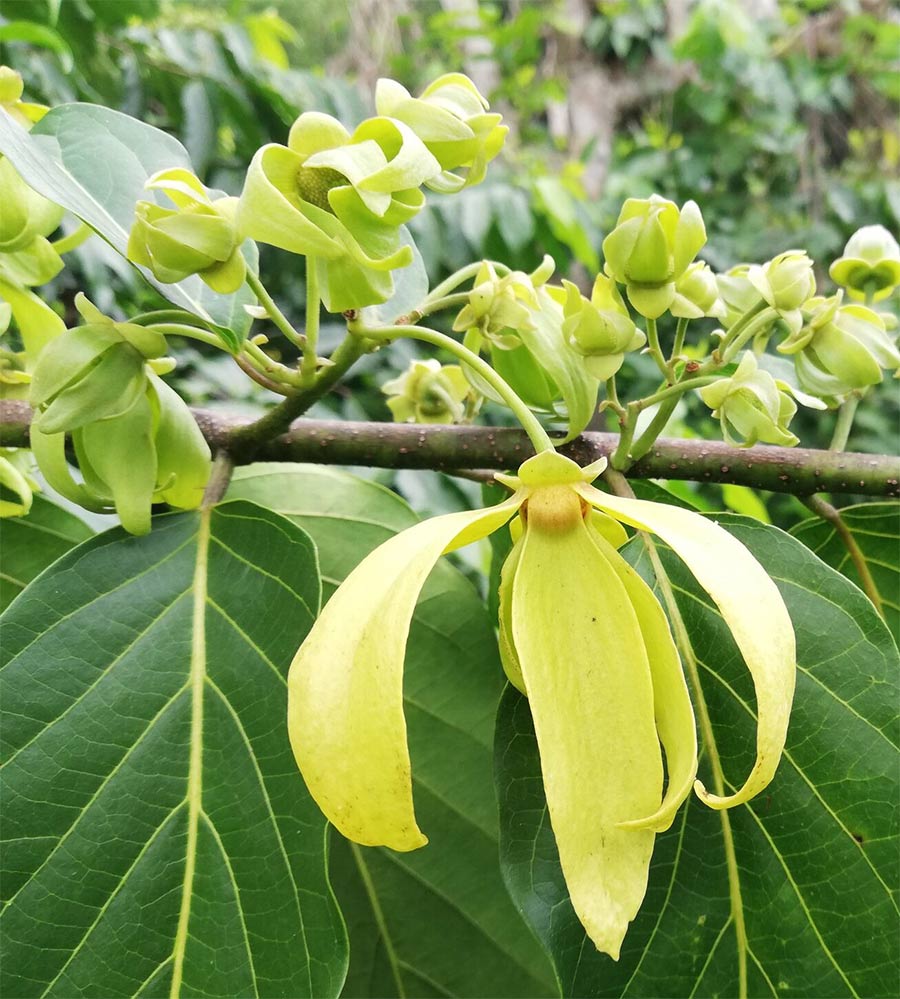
x: 158, y: 836
x: 437, y: 921
x: 33, y: 542
x: 41, y: 35
x: 876, y: 529
x: 95, y: 162
x: 816, y: 855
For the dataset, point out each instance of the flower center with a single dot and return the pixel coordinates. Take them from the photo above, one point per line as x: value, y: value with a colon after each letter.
x: 314, y: 183
x: 554, y: 509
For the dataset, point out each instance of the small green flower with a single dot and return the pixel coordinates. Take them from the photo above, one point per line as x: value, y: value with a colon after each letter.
x: 585, y: 639
x: 340, y: 198
x: 600, y: 329
x: 135, y: 439
x: 737, y: 293
x: 500, y: 307
x: 451, y: 118
x: 840, y: 348
x: 870, y: 264
x: 428, y: 392
x: 650, y: 248
x: 11, y: 89
x: 17, y: 484
x: 752, y: 406
x: 697, y: 294
x: 786, y: 283
x: 198, y: 236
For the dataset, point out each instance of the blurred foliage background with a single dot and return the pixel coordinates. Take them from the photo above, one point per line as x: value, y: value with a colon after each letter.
x: 780, y: 117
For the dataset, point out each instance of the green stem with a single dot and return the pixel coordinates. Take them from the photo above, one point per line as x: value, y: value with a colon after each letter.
x: 621, y: 458
x: 247, y: 440
x: 760, y: 320
x: 738, y: 326
x: 678, y: 345
x: 678, y: 389
x: 654, y: 428
x: 654, y: 349
x: 313, y: 306
x: 844, y: 424
x: 171, y: 316
x: 530, y: 423
x: 833, y: 516
x: 429, y: 307
x: 67, y: 243
x: 191, y: 332
x: 458, y: 277
x: 274, y: 313
x: 268, y: 366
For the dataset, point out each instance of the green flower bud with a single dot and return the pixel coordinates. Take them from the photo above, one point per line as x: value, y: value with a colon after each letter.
x: 650, y: 248
x: 786, y: 283
x: 697, y: 294
x: 198, y: 236
x: 840, y: 348
x: 870, y: 265
x: 451, y: 118
x: 600, y: 329
x: 428, y: 392
x: 342, y: 199
x: 93, y: 372
x: 751, y: 406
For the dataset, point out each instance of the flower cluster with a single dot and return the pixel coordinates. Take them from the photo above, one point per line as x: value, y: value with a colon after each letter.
x: 136, y: 441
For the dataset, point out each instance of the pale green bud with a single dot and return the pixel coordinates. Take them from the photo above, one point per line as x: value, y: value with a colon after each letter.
x: 428, y: 392
x: 600, y: 329
x: 697, y: 294
x: 451, y: 117
x: 786, y: 282
x: 25, y: 215
x: 870, y: 264
x: 840, y: 348
x: 17, y: 484
x: 198, y: 236
x: 11, y: 89
x: 650, y: 248
x: 737, y: 293
x: 751, y: 406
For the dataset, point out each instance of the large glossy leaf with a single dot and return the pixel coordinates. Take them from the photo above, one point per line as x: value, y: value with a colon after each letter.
x: 876, y: 529
x: 810, y: 908
x: 95, y: 162
x: 438, y: 921
x: 157, y: 839
x: 31, y: 543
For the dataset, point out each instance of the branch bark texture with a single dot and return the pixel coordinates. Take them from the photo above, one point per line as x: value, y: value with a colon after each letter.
x: 800, y: 471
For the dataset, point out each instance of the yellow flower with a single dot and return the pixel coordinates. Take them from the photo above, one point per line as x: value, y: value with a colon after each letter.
x: 585, y: 638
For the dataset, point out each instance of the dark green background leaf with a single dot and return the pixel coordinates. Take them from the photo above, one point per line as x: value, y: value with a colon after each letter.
x: 816, y: 853
x: 31, y: 543
x: 95, y: 162
x: 143, y: 730
x: 876, y: 528
x: 437, y: 921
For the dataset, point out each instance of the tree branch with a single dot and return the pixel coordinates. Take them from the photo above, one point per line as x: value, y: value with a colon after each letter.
x: 800, y: 471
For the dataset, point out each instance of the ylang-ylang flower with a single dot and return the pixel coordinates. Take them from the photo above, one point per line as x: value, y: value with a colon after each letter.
x: 585, y: 639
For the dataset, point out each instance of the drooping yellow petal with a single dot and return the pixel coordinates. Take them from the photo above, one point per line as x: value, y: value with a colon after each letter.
x: 752, y: 608
x: 345, y: 686
x: 588, y: 683
x: 671, y: 701
x: 508, y: 655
